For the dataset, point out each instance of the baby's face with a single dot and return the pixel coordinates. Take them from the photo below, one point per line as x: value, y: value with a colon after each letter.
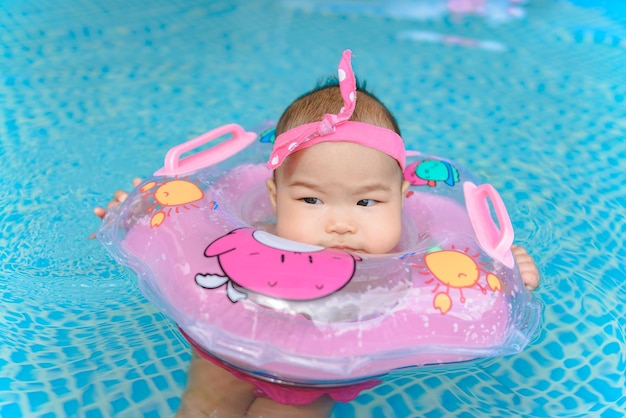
x: 339, y: 195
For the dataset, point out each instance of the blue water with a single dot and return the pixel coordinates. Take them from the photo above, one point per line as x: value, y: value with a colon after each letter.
x: 530, y: 95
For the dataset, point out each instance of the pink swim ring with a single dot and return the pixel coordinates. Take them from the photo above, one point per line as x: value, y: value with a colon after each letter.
x: 300, y: 314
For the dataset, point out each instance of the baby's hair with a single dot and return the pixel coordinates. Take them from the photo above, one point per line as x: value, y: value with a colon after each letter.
x: 326, y: 98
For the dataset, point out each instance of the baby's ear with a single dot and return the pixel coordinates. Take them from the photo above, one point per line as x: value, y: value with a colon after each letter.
x: 271, y: 190
x: 405, y: 187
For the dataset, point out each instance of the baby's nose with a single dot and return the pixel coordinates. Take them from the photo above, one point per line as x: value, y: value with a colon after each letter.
x: 340, y: 223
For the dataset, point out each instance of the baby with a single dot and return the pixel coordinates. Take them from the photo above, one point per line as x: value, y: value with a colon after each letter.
x: 338, y: 182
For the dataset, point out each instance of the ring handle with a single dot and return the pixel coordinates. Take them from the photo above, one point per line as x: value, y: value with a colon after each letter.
x: 494, y: 239
x: 175, y: 165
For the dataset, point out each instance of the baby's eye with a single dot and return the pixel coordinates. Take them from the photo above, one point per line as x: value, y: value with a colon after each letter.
x: 311, y: 200
x: 366, y: 202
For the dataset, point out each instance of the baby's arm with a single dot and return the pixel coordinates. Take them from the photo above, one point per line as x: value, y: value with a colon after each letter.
x: 527, y: 267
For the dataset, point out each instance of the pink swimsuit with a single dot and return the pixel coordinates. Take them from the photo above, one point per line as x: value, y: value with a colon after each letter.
x: 289, y: 394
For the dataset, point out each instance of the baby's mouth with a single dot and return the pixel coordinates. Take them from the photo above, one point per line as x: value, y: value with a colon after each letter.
x: 346, y: 248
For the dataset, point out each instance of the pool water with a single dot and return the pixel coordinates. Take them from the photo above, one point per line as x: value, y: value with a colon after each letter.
x: 528, y: 94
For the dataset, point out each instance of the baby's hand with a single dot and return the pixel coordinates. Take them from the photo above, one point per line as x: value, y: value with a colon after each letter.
x: 118, y: 197
x: 527, y: 267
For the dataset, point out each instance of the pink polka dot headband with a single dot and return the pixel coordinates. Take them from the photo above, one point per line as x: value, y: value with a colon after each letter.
x: 337, y: 128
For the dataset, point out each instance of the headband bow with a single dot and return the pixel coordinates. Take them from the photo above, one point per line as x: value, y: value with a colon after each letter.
x: 338, y: 127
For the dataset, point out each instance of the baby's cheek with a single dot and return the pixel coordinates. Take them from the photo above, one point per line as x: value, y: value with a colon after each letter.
x: 385, y: 237
x: 282, y: 230
x: 293, y: 230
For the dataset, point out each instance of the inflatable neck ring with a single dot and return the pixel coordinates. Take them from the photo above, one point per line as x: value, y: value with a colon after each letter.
x: 195, y: 234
